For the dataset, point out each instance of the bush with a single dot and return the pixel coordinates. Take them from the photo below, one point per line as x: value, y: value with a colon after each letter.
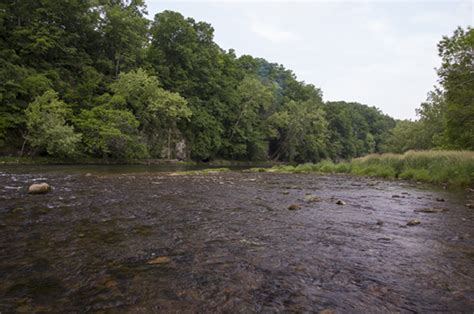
x: 46, y: 120
x: 111, y: 133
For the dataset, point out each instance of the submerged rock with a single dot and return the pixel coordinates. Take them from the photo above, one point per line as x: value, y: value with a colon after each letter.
x: 39, y: 188
x: 312, y: 199
x: 413, y: 222
x: 439, y: 199
x: 294, y: 207
x: 159, y: 260
x: 430, y: 210
x: 379, y: 223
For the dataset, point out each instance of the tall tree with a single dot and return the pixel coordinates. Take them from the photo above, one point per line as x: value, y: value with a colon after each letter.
x: 124, y: 29
x: 457, y: 79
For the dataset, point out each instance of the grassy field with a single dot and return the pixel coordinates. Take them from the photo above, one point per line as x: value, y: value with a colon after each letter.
x: 451, y: 167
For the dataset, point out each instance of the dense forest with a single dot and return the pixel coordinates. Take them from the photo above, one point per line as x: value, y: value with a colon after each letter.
x: 98, y: 79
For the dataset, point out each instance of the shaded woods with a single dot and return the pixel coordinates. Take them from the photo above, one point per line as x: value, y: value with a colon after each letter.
x: 98, y: 79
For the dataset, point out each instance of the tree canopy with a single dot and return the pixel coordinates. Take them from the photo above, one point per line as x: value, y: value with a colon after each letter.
x: 97, y: 78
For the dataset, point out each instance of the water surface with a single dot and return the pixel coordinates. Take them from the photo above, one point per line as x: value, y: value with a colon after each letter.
x: 138, y: 239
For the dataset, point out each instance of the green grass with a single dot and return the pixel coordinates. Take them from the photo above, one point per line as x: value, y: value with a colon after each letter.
x: 440, y: 167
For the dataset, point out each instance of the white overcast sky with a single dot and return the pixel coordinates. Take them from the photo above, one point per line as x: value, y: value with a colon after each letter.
x: 380, y: 53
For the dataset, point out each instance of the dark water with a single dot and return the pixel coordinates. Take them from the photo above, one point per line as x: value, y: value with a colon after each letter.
x: 127, y: 240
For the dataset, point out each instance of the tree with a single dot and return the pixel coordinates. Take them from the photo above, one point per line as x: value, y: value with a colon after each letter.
x: 456, y: 76
x: 109, y: 132
x: 405, y: 136
x: 48, y: 129
x: 356, y: 129
x: 248, y: 132
x: 157, y: 110
x: 124, y: 29
x: 301, y: 132
x: 432, y: 119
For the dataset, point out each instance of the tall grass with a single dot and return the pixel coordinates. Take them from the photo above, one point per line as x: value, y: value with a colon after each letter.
x: 451, y: 167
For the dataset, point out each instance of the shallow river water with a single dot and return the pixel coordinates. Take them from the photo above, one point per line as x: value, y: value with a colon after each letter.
x: 117, y: 239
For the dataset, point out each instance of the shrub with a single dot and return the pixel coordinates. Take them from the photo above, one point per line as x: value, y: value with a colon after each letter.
x: 48, y: 128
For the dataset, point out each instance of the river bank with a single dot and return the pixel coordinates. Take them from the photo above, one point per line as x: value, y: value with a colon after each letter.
x: 447, y: 168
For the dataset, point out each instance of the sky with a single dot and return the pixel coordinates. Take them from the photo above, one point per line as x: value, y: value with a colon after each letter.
x: 379, y: 53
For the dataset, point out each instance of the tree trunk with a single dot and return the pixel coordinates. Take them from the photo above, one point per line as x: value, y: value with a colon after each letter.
x: 23, y: 145
x: 117, y: 66
x: 169, y: 143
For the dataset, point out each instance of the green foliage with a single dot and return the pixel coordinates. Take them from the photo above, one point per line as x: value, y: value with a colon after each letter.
x: 446, y: 119
x: 111, y: 133
x: 124, y: 29
x: 457, y: 78
x: 137, y: 88
x: 157, y: 110
x: 204, y: 134
x: 300, y: 131
x: 247, y: 136
x: 46, y: 119
x: 452, y: 167
x: 355, y: 129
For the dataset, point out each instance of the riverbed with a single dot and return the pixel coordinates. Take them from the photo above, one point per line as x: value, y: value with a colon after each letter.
x: 152, y: 240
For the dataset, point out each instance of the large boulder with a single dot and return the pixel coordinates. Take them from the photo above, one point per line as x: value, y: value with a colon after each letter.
x: 39, y: 188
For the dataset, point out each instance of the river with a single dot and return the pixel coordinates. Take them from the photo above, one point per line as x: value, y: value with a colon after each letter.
x: 143, y: 239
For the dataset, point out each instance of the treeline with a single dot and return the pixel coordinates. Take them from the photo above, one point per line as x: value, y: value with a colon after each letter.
x: 97, y: 78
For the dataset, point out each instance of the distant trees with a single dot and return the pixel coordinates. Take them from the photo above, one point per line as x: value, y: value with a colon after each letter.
x: 96, y: 78
x: 356, y: 130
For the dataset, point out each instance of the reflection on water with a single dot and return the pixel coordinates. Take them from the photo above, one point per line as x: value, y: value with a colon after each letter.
x: 126, y: 238
x: 118, y: 169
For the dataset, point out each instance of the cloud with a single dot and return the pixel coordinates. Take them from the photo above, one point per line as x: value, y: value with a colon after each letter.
x: 272, y: 32
x: 378, y: 26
